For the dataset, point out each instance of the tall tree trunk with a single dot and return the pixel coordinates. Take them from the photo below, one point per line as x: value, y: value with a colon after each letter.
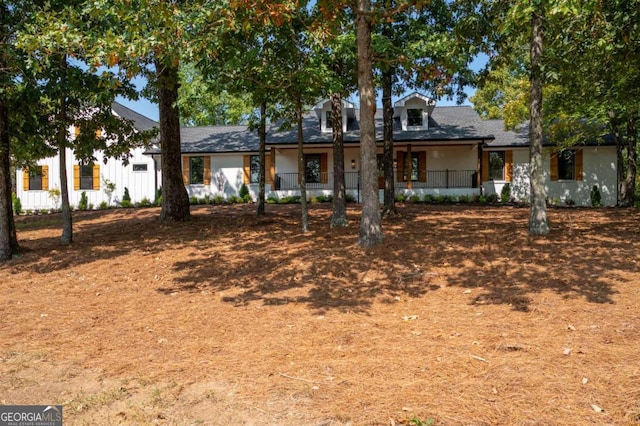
x: 175, y: 199
x: 387, y: 158
x: 370, y: 228
x: 629, y: 184
x: 67, y: 218
x: 613, y: 122
x: 339, y: 216
x: 538, y: 224
x: 302, y: 175
x: 262, y: 154
x: 8, y: 238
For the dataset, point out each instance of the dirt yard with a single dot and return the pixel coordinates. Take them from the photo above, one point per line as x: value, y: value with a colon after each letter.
x: 459, y: 318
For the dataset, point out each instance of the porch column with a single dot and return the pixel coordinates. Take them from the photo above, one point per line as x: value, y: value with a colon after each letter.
x: 409, y: 162
x: 479, y: 166
x: 272, y: 168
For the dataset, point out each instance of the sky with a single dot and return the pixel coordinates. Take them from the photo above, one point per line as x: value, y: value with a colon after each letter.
x: 150, y: 109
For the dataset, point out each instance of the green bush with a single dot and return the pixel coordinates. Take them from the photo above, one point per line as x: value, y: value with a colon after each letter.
x: 324, y: 198
x: 84, y: 201
x: 145, y: 202
x: 103, y: 205
x: 350, y: 198
x: 464, y: 199
x: 158, y: 200
x: 428, y: 198
x: 505, y: 194
x: 233, y: 199
x: 415, y: 198
x: 126, y: 204
x: 596, y: 197
x: 218, y: 199
x: 17, y: 205
x: 244, y: 191
x: 400, y: 198
x: 246, y: 198
x: 492, y: 198
x: 193, y: 200
x: 126, y: 196
x: 569, y: 202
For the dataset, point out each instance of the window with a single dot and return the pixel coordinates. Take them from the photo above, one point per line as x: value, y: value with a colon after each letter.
x: 312, y: 167
x: 328, y: 120
x: 196, y: 170
x: 86, y: 176
x: 414, y: 117
x: 496, y: 165
x: 35, y: 178
x: 567, y: 165
x: 416, y: 163
x: 139, y: 167
x: 254, y: 169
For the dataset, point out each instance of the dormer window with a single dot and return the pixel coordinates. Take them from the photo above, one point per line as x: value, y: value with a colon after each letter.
x: 328, y: 120
x: 414, y: 117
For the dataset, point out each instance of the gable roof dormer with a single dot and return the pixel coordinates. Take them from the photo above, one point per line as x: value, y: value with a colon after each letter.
x: 323, y: 112
x: 414, y: 111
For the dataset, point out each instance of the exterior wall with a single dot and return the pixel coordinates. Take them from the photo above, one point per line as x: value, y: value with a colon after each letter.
x: 451, y: 157
x: 140, y: 184
x: 599, y: 168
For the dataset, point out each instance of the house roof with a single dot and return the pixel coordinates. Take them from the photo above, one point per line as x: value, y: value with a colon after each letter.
x: 140, y: 122
x: 447, y: 125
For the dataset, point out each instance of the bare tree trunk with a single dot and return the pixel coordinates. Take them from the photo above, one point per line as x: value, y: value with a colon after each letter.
x: 339, y: 216
x: 538, y: 224
x: 175, y: 199
x: 8, y: 237
x: 302, y: 176
x: 370, y: 228
x: 387, y: 159
x: 67, y: 218
x: 613, y: 122
x: 629, y: 185
x: 262, y: 154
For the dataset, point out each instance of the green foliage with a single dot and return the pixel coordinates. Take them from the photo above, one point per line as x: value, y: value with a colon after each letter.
x: 193, y: 200
x: 324, y: 198
x: 145, y: 202
x: 126, y: 204
x: 505, y: 193
x: 103, y: 205
x: 401, y: 197
x: 84, y: 201
x: 569, y: 202
x: 272, y: 199
x: 415, y: 198
x: 428, y: 198
x: 218, y: 199
x: 350, y: 198
x: 54, y: 195
x: 109, y: 188
x: 492, y: 198
x: 417, y: 422
x: 464, y: 199
x: 17, y: 205
x: 126, y: 197
x: 244, y: 191
x: 596, y: 197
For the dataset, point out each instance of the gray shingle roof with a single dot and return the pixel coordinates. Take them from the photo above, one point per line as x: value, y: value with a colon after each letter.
x: 140, y: 122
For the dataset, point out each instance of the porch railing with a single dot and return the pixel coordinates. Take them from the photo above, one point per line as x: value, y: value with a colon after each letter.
x: 434, y: 179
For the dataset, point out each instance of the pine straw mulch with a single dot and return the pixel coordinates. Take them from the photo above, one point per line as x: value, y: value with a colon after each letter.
x: 460, y: 317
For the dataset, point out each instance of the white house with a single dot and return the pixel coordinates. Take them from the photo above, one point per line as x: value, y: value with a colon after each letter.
x: 437, y: 150
x: 36, y: 187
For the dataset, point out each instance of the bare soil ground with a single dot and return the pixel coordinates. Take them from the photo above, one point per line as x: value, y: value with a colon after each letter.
x: 460, y: 317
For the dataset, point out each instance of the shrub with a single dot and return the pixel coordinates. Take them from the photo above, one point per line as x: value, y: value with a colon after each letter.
x: 109, y: 188
x: 218, y: 199
x: 158, y: 200
x: 54, y: 194
x: 569, y: 202
x: 482, y: 199
x: 233, y: 199
x: 126, y: 196
x: 439, y: 199
x: 244, y: 191
x: 400, y: 198
x: 193, y: 200
x: 145, y: 202
x: 428, y: 198
x: 126, y: 204
x: 17, y: 205
x: 350, y: 198
x: 492, y: 198
x: 84, y: 201
x: 103, y: 205
x: 415, y: 198
x: 505, y: 194
x: 464, y: 199
x: 596, y: 197
x: 272, y: 199
x: 324, y: 198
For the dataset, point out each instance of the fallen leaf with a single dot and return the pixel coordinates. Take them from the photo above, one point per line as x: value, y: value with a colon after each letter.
x: 566, y: 351
x: 409, y: 317
x: 585, y: 380
x: 570, y: 327
x: 596, y: 408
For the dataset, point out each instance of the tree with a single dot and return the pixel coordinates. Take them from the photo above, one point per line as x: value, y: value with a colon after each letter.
x: 370, y: 228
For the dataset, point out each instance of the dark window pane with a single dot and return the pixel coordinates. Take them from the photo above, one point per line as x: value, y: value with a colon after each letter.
x: 196, y: 170
x: 414, y: 117
x: 255, y: 169
x: 496, y: 165
x: 567, y: 165
x: 329, y: 120
x: 312, y: 167
x: 35, y: 178
x: 139, y: 167
x: 86, y: 176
